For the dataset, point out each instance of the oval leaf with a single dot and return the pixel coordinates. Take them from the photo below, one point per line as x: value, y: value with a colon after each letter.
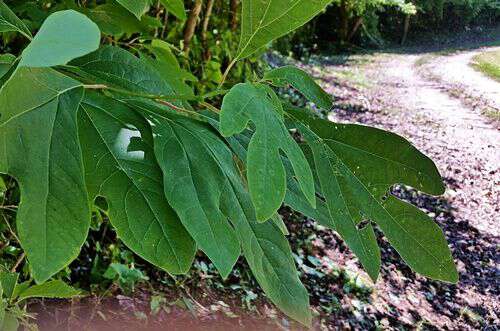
x: 64, y: 36
x: 136, y: 7
x: 194, y: 185
x: 53, y: 289
x: 39, y: 147
x: 176, y: 7
x: 302, y: 82
x: 266, y: 20
x: 265, y: 248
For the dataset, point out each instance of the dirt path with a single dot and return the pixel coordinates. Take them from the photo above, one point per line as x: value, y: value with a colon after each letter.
x: 466, y: 148
x: 468, y: 144
x: 456, y: 69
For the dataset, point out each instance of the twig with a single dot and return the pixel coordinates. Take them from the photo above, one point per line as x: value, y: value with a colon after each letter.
x: 210, y: 107
x: 18, y: 262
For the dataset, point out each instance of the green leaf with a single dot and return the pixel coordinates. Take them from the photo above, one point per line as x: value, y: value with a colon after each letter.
x: 8, y: 280
x: 117, y: 67
x: 266, y: 20
x: 195, y: 186
x: 356, y: 166
x: 64, y: 35
x: 167, y: 66
x: 3, y: 187
x: 266, y: 174
x: 126, y: 277
x: 3, y: 308
x: 120, y: 165
x: 10, y: 322
x: 361, y: 241
x: 294, y: 196
x: 6, y: 61
x: 10, y: 22
x: 52, y: 289
x: 7, y: 67
x: 39, y: 147
x: 116, y: 21
x: 136, y: 7
x: 176, y: 7
x: 302, y: 82
x: 265, y: 248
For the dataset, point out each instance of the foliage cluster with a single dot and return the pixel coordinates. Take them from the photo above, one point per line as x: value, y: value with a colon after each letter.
x: 377, y: 22
x: 114, y: 122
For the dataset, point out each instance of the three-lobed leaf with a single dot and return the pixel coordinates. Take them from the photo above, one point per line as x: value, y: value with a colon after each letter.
x: 266, y: 20
x: 39, y: 147
x: 356, y: 166
x: 266, y: 173
x: 64, y: 35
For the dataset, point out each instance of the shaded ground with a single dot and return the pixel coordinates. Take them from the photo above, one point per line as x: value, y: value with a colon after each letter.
x: 391, y: 91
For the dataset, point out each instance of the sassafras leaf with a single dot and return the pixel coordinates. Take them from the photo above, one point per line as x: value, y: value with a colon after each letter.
x: 64, y: 35
x: 39, y: 147
x: 120, y: 165
x: 266, y: 174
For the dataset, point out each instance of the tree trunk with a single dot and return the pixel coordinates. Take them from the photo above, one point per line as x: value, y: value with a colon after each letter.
x: 206, y: 21
x: 355, y: 28
x: 406, y: 29
x: 234, y: 15
x: 344, y: 21
x: 191, y: 25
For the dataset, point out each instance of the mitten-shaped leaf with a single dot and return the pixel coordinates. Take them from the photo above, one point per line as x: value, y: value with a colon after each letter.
x: 266, y: 20
x: 64, y: 36
x: 120, y: 165
x: 356, y: 166
x: 39, y: 147
x: 266, y: 174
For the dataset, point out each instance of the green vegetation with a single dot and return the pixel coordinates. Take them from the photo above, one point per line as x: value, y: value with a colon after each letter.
x: 488, y: 63
x: 151, y: 131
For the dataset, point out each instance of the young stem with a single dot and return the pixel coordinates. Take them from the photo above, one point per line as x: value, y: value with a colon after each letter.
x: 141, y: 95
x: 226, y: 72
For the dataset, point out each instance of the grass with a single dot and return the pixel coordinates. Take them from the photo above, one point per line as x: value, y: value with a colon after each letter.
x: 488, y: 63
